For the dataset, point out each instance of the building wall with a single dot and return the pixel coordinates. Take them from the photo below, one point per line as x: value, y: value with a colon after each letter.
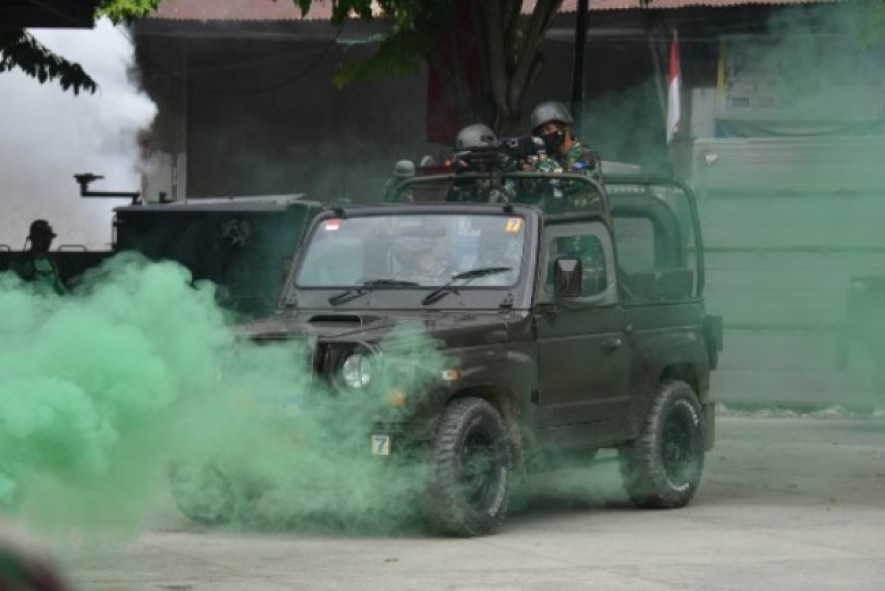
x: 260, y: 116
x: 787, y: 166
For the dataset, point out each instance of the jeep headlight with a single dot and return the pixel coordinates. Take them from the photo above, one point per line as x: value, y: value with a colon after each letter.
x: 357, y: 370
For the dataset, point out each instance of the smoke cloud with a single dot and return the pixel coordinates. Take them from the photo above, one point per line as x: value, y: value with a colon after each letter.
x: 103, y: 391
x: 50, y: 134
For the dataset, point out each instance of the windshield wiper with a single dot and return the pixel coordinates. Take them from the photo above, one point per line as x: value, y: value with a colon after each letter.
x: 467, y: 276
x: 365, y: 287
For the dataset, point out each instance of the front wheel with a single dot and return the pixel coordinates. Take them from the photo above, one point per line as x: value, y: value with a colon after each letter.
x: 206, y: 494
x: 470, y: 466
x: 662, y: 468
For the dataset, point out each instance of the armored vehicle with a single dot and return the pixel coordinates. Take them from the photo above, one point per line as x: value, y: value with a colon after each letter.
x: 242, y: 244
x: 569, y: 314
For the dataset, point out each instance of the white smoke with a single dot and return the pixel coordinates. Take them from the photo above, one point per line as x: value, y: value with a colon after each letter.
x: 50, y: 134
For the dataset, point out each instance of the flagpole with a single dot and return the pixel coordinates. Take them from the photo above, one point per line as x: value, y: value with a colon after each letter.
x: 674, y: 89
x: 658, y: 71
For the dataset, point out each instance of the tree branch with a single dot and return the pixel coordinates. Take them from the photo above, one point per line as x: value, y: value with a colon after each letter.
x: 494, y: 20
x: 18, y: 49
x: 538, y: 24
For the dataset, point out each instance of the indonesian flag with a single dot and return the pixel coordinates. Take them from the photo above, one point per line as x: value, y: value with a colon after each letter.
x: 674, y: 81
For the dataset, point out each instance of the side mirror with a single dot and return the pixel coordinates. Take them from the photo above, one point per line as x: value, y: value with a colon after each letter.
x: 567, y: 277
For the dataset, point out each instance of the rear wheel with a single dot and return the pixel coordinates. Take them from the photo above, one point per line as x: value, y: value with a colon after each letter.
x: 470, y: 469
x: 662, y: 468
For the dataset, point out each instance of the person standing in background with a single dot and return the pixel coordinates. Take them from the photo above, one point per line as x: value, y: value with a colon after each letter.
x: 35, y: 266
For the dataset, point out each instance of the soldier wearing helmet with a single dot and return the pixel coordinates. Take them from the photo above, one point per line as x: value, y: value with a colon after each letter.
x: 35, y: 266
x: 476, y: 137
x: 417, y: 253
x: 403, y: 169
x: 552, y: 122
x: 476, y: 150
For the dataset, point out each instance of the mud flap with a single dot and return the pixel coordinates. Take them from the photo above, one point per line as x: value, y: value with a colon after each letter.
x: 709, y: 409
x: 714, y: 336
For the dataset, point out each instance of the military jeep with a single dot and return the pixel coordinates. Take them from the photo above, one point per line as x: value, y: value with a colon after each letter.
x: 570, y: 313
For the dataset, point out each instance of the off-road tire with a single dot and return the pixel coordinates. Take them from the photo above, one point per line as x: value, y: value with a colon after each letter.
x: 206, y: 495
x: 470, y: 470
x: 662, y: 468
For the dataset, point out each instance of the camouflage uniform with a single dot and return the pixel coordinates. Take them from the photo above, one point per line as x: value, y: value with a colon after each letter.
x: 434, y: 272
x: 41, y: 272
x: 577, y: 159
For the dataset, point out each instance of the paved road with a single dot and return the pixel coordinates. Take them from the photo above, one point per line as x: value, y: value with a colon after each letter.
x: 787, y: 504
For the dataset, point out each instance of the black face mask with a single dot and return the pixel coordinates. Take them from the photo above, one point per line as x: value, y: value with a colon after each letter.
x: 553, y: 141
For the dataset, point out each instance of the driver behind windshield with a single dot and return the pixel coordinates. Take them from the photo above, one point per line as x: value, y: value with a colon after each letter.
x: 419, y: 259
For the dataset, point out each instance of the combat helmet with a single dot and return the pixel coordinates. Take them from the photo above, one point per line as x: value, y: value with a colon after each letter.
x: 476, y: 137
x: 404, y: 169
x: 550, y: 111
x: 40, y: 229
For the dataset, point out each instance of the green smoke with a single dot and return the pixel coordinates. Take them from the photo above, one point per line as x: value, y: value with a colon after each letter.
x: 87, y: 382
x: 138, y: 370
x: 783, y: 136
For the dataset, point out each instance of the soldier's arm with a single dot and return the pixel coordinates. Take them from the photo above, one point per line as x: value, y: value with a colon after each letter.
x: 23, y: 267
x: 587, y: 162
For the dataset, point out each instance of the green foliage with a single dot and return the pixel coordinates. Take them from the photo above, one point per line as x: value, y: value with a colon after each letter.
x: 492, y: 36
x: 397, y: 55
x: 18, y: 49
x: 125, y: 10
x: 416, y: 24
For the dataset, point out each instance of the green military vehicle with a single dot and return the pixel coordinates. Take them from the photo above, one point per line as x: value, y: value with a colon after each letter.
x: 570, y: 314
x: 244, y: 245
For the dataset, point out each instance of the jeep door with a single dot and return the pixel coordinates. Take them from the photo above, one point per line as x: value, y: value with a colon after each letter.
x: 583, y: 351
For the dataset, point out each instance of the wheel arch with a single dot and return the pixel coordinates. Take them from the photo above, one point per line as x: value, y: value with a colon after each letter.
x: 505, y: 401
x: 687, y: 372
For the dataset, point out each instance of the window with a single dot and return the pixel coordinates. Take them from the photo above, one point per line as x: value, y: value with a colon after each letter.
x: 589, y: 250
x: 635, y: 239
x: 414, y: 250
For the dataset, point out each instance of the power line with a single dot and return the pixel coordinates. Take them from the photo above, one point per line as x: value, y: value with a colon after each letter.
x: 245, y: 91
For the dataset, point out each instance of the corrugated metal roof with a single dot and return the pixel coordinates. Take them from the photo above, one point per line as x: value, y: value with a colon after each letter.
x: 285, y: 10
x: 239, y: 10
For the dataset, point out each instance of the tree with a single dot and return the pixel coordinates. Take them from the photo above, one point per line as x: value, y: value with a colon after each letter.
x: 502, y: 46
x: 19, y: 49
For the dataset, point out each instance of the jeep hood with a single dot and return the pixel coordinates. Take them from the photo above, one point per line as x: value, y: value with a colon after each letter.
x: 453, y: 329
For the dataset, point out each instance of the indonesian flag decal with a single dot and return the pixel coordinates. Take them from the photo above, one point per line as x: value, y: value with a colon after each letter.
x: 674, y: 82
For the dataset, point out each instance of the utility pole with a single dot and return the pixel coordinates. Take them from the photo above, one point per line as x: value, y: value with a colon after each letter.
x: 577, y: 109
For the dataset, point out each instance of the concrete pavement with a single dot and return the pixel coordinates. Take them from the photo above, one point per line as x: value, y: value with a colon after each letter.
x: 787, y: 504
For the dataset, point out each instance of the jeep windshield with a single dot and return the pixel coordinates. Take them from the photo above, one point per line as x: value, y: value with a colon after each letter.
x: 354, y: 255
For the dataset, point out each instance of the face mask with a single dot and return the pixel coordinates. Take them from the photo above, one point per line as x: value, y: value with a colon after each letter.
x: 553, y: 141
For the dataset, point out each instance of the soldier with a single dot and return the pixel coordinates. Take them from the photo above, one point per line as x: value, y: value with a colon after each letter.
x: 403, y: 169
x: 552, y: 122
x: 35, y: 266
x: 420, y: 260
x: 476, y: 148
